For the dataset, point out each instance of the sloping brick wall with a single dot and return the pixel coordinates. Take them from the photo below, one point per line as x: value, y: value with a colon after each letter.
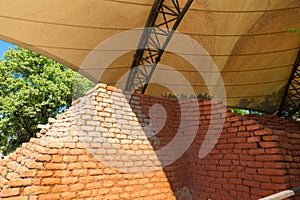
x: 83, y: 154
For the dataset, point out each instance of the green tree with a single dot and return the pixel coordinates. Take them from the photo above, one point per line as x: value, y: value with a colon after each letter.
x: 32, y: 89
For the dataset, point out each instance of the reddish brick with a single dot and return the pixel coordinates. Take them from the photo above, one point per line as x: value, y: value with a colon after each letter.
x: 236, y: 140
x: 232, y: 130
x: 256, y: 151
x: 235, y: 181
x: 242, y: 188
x: 248, y: 122
x: 262, y: 178
x: 274, y: 151
x: 243, y: 134
x: 245, y: 176
x: 280, y: 179
x: 246, y: 146
x: 263, y: 132
x: 274, y: 186
x: 261, y: 192
x: 230, y: 175
x: 251, y: 184
x: 274, y: 165
x: 269, y: 158
x: 269, y: 144
x: 254, y: 139
x: 274, y: 172
x: 271, y: 138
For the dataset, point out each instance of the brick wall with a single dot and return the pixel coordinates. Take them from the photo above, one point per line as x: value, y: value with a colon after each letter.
x: 106, y: 148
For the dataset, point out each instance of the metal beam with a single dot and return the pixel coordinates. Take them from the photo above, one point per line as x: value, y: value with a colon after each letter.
x: 164, y: 18
x: 290, y: 103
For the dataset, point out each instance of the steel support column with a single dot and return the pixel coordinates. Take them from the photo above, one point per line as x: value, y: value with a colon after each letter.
x: 163, y: 20
x: 290, y: 103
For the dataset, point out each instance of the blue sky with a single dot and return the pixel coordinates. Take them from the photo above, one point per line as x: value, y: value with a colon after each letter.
x: 4, y: 47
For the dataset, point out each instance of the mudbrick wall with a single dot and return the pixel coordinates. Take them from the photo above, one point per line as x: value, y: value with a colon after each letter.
x: 113, y: 145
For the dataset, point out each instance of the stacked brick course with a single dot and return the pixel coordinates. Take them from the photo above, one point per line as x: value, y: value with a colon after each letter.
x: 83, y: 153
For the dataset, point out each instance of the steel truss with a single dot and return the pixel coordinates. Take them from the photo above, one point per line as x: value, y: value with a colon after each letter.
x: 290, y: 103
x: 163, y: 20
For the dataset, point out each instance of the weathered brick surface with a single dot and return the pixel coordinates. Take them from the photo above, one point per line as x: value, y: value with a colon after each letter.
x: 253, y: 157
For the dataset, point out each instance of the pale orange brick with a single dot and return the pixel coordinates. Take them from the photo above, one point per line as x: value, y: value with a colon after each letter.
x: 103, y: 191
x: 111, y: 197
x: 83, y: 194
x: 83, y: 158
x: 33, y: 165
x: 48, y: 151
x: 95, y: 172
x: 76, y: 152
x: 56, y: 166
x: 62, y: 173
x: 41, y: 157
x: 69, y: 180
x: 88, y: 179
x: 68, y: 195
x: 27, y: 173
x: 50, y: 181
x: 3, y: 181
x: 8, y: 192
x: 36, y: 181
x: 55, y: 145
x: 79, y: 172
x: 17, y: 198
x: 11, y: 175
x: 49, y: 196
x: 91, y: 186
x: 70, y: 145
x: 89, y: 165
x: 36, y: 190
x: 20, y: 182
x: 70, y: 158
x: 76, y: 187
x: 116, y: 190
x: 60, y: 188
x: 44, y: 173
x: 56, y: 158
x: 125, y: 195
x: 74, y: 166
x: 108, y: 183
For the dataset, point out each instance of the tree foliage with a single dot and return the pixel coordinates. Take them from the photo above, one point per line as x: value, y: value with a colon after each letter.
x: 32, y: 89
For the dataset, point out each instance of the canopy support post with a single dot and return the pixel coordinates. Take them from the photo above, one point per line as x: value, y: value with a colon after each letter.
x: 290, y: 103
x: 161, y: 24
